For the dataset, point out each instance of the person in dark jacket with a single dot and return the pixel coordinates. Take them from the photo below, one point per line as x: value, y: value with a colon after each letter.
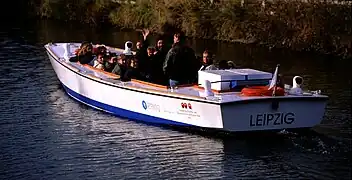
x: 131, y: 70
x: 160, y: 56
x: 141, y: 51
x: 111, y: 62
x: 161, y: 49
x: 120, y: 67
x: 154, y: 67
x: 180, y: 64
x: 83, y: 44
x: 84, y: 55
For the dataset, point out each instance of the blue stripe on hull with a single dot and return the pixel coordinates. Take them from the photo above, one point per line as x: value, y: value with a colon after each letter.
x: 119, y: 111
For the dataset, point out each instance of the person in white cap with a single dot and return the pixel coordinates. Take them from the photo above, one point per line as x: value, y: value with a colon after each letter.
x: 128, y: 48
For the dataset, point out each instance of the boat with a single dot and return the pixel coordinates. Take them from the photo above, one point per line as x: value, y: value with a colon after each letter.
x: 222, y: 100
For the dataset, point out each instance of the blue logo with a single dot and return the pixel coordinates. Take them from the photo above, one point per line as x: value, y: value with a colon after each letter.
x: 144, y: 104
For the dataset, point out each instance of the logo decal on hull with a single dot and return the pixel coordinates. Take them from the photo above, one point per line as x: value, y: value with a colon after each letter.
x: 144, y: 104
x: 186, y: 110
x: 150, y: 106
x: 186, y: 106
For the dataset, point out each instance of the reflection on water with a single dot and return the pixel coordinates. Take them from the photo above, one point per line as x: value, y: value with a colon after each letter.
x: 45, y: 134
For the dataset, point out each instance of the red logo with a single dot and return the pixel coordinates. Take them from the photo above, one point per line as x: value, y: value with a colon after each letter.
x: 186, y: 106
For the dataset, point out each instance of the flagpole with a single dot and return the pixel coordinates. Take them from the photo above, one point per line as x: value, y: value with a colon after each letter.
x: 276, y: 74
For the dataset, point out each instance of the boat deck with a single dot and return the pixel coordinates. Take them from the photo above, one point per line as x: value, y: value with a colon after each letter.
x: 190, y: 91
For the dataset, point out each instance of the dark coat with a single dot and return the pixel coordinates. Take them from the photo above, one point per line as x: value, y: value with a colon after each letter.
x: 181, y: 64
x: 83, y: 59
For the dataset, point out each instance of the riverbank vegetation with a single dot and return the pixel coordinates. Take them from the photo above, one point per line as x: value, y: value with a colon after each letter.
x: 315, y: 26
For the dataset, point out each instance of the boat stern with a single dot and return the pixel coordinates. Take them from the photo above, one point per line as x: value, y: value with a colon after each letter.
x: 274, y: 113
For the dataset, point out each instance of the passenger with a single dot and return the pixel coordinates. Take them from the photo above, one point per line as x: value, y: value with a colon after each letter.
x: 141, y: 51
x: 139, y: 45
x: 120, y: 65
x: 84, y: 55
x: 131, y: 70
x: 207, y: 61
x: 161, y: 49
x: 154, y: 68
x: 111, y: 63
x: 100, y: 50
x: 181, y: 65
x: 99, y: 63
x: 83, y: 44
x: 223, y: 65
x: 231, y: 65
x: 128, y: 48
x: 160, y: 55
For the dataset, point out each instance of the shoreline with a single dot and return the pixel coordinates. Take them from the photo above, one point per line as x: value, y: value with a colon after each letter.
x: 318, y: 27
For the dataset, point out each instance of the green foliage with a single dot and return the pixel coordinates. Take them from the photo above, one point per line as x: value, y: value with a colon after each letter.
x: 87, y: 11
x: 297, y: 25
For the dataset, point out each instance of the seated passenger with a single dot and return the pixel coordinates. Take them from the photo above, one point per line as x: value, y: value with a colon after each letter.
x: 207, y: 61
x: 110, y: 63
x: 99, y: 62
x: 83, y: 44
x: 131, y: 70
x: 231, y: 65
x: 119, y: 68
x: 128, y: 48
x: 223, y: 65
x: 100, y: 50
x: 84, y: 55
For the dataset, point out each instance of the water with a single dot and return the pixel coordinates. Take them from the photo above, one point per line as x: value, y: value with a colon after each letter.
x: 47, y: 135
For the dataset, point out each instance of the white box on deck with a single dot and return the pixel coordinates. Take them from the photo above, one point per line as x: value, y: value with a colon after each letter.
x: 252, y: 74
x: 218, y: 75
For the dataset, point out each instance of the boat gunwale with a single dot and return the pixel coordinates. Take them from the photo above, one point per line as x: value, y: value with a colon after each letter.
x: 137, y: 89
x: 174, y: 95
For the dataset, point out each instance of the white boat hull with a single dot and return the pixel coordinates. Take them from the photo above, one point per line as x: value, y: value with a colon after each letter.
x: 150, y: 106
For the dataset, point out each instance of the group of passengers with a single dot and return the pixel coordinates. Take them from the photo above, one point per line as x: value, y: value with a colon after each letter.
x: 160, y: 65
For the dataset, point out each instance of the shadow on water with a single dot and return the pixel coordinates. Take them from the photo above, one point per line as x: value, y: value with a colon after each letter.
x: 46, y: 134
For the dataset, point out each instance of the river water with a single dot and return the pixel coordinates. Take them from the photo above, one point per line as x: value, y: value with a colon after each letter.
x: 44, y: 134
